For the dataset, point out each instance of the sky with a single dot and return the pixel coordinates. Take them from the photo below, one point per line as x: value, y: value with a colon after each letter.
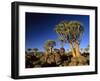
x: 40, y: 27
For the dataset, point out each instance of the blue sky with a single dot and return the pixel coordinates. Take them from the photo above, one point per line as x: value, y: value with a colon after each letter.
x: 40, y: 27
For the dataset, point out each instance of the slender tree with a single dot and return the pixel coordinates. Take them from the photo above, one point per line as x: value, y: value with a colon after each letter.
x: 49, y: 44
x: 59, y: 30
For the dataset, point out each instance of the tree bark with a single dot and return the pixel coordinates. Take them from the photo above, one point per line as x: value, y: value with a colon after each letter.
x: 73, y: 52
x: 46, y: 52
x: 76, y: 44
x: 50, y: 49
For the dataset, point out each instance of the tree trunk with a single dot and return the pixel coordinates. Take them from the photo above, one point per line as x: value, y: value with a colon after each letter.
x: 76, y: 44
x: 50, y: 49
x: 46, y: 52
x: 73, y: 52
x: 45, y: 57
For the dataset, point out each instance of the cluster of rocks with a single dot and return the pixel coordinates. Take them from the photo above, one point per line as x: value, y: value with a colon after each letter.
x: 55, y: 59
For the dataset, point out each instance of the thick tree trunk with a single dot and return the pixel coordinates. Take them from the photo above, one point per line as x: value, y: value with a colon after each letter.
x: 76, y: 44
x: 46, y: 52
x: 45, y: 57
x: 73, y: 52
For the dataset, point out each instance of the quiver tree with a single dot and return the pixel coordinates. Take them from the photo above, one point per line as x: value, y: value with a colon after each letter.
x: 71, y: 32
x: 49, y: 44
x: 61, y: 36
x: 48, y: 56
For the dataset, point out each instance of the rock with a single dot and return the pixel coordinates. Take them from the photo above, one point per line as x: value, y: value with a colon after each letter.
x: 77, y: 61
x: 62, y: 51
x: 82, y: 60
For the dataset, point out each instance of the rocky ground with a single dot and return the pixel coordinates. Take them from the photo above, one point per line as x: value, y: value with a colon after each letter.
x: 55, y: 60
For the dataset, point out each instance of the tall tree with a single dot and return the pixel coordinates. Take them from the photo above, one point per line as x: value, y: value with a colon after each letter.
x: 60, y: 35
x: 71, y: 32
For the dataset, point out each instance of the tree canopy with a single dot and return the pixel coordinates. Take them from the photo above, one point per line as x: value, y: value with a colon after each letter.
x: 70, y: 31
